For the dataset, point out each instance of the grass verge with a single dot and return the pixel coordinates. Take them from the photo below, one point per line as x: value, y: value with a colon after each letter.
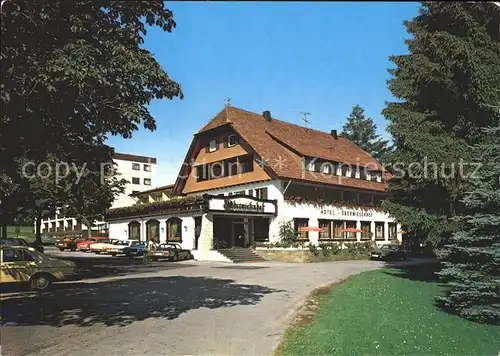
x: 385, y: 312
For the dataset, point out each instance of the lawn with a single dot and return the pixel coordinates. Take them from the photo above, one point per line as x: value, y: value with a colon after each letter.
x: 388, y: 312
x: 25, y: 233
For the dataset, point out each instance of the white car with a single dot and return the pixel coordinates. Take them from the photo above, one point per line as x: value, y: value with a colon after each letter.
x: 117, y: 247
x: 98, y: 247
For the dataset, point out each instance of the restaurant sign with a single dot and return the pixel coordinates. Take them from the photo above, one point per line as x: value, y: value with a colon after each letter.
x: 241, y: 204
x: 250, y: 206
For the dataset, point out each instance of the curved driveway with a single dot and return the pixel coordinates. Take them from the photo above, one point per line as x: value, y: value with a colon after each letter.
x: 184, y: 308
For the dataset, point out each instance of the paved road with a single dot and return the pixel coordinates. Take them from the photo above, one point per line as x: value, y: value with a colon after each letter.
x: 165, y: 308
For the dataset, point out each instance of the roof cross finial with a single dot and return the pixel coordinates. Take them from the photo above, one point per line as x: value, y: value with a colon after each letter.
x: 305, y: 118
x: 228, y: 101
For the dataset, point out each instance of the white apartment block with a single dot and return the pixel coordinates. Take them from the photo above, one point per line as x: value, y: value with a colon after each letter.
x: 140, y: 174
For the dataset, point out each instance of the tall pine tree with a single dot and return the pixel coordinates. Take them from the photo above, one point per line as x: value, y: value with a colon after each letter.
x: 363, y: 132
x: 447, y: 88
x: 472, y: 261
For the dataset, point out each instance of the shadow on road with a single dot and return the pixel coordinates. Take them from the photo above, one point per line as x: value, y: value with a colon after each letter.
x: 125, y: 301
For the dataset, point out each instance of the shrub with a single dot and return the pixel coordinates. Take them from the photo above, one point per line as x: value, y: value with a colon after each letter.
x: 288, y: 236
x: 314, y: 249
x: 329, y: 248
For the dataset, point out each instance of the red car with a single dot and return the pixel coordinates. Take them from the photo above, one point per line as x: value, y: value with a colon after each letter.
x: 84, y: 246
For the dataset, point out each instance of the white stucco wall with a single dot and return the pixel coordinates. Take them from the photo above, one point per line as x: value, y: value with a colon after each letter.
x: 118, y: 229
x: 314, y: 213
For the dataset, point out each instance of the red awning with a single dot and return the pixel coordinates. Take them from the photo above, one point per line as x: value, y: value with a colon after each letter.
x: 351, y: 229
x: 310, y: 228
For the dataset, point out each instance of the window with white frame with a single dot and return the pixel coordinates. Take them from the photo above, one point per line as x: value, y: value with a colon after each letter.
x: 232, y: 140
x: 212, y: 146
x: 147, y: 167
x: 326, y: 168
x: 147, y: 181
x: 136, y: 166
x: 310, y: 166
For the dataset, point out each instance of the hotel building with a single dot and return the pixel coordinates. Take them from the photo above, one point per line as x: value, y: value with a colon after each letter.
x: 246, y: 174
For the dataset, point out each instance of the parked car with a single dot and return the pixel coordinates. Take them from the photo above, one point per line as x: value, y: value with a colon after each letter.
x: 173, y: 252
x: 84, y: 245
x: 23, y: 264
x: 11, y: 241
x: 118, y: 246
x: 100, y: 246
x: 389, y: 252
x: 135, y: 249
x: 66, y: 243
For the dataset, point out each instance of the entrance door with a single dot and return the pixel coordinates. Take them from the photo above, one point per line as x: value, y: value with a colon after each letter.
x: 239, y: 234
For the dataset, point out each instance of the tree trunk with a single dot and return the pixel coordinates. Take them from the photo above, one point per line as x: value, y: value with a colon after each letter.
x: 89, y: 226
x: 38, y: 224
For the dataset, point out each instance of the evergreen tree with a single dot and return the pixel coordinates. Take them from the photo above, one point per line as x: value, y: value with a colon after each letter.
x: 447, y: 87
x: 472, y: 261
x: 363, y: 132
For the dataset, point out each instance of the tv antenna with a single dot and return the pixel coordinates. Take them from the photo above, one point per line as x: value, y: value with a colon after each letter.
x: 304, y: 118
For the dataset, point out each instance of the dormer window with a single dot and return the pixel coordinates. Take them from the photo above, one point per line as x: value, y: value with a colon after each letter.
x: 232, y: 140
x: 326, y: 168
x: 212, y: 146
x: 310, y: 166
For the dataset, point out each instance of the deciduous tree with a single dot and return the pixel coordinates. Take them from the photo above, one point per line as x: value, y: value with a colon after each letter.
x: 74, y: 73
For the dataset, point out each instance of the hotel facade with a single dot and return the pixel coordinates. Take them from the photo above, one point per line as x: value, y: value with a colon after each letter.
x: 247, y: 175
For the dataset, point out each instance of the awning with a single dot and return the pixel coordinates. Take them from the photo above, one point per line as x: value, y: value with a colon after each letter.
x: 351, y: 229
x: 311, y: 228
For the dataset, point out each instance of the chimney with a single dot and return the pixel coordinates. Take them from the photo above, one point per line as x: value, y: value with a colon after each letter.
x: 334, y: 134
x: 267, y: 115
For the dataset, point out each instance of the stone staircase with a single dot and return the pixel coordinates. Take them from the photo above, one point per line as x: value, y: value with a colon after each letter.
x: 238, y: 255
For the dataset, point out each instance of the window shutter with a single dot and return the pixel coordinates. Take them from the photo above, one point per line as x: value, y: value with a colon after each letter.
x: 207, y: 147
x: 217, y: 141
x: 226, y: 141
x: 264, y: 193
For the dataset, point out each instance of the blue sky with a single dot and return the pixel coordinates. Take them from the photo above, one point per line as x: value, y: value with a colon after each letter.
x: 321, y: 58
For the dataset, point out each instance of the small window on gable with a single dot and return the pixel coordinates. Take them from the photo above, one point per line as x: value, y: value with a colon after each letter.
x: 212, y: 146
x: 326, y: 168
x: 232, y: 140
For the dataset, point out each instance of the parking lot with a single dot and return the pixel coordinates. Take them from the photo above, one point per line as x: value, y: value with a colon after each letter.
x: 129, y: 307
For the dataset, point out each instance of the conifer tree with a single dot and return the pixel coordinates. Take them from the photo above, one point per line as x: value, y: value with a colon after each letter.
x: 472, y: 260
x: 447, y: 88
x: 363, y: 132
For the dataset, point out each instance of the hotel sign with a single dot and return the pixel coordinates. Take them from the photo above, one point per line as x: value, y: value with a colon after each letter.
x: 242, y: 204
x: 347, y: 213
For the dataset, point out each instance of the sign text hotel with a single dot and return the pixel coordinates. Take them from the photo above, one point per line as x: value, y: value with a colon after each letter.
x: 348, y: 213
